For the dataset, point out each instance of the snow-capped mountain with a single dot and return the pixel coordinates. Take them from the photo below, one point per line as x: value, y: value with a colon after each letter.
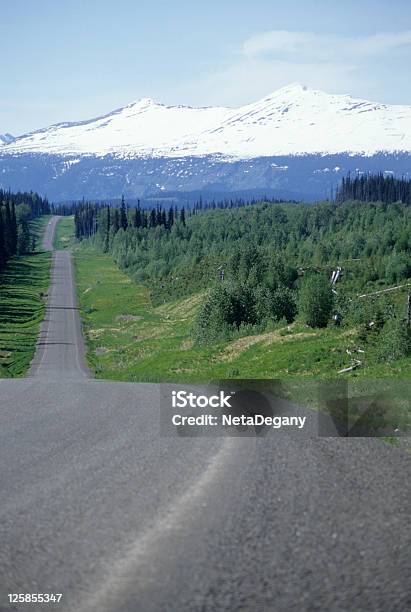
x: 296, y: 143
x: 292, y: 121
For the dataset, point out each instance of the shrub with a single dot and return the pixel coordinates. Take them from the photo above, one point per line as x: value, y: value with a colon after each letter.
x: 226, y: 308
x: 398, y: 268
x: 394, y: 341
x: 316, y: 301
x: 275, y: 304
x: 215, y: 317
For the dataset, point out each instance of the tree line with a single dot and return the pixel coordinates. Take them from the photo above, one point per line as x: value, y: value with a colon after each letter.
x: 374, y: 188
x: 88, y: 215
x: 90, y: 218
x: 16, y: 212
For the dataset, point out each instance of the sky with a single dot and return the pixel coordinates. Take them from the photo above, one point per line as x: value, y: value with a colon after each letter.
x: 67, y: 61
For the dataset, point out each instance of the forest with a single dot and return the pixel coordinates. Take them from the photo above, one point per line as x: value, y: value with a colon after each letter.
x: 16, y: 212
x: 374, y: 188
x: 264, y: 264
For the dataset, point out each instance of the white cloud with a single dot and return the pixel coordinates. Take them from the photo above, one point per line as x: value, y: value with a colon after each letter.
x: 269, y: 60
x: 380, y: 44
x: 276, y: 41
x: 250, y: 79
x: 322, y: 47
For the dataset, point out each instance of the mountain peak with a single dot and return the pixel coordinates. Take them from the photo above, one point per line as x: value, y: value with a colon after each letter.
x: 292, y: 89
x: 143, y: 103
x: 294, y: 120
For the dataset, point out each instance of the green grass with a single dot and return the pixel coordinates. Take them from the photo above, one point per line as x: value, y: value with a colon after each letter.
x: 129, y: 338
x: 23, y: 288
x: 64, y: 234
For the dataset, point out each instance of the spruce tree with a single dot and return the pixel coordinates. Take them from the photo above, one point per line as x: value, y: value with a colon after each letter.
x: 116, y: 220
x: 123, y: 214
x: 13, y: 228
x: 137, y: 217
x: 182, y: 216
x: 3, y: 254
x: 107, y: 233
x: 170, y: 218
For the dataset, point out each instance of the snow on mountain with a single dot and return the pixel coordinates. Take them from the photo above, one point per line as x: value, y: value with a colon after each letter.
x: 294, y: 120
x: 6, y: 138
x: 142, y: 128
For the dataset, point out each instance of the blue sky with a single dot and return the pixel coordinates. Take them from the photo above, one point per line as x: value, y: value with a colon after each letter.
x: 62, y: 61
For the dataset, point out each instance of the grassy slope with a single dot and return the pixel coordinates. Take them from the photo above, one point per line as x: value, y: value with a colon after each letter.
x: 130, y: 339
x: 23, y: 286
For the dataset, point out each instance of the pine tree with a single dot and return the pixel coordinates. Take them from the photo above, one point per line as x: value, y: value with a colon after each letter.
x: 170, y: 218
x: 137, y: 217
x: 182, y: 216
x: 153, y: 218
x: 3, y: 254
x: 8, y: 234
x: 24, y: 237
x: 13, y: 228
x: 107, y: 233
x: 116, y: 221
x: 123, y: 214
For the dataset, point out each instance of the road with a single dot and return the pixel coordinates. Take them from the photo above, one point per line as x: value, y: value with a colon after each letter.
x: 98, y: 505
x: 60, y: 348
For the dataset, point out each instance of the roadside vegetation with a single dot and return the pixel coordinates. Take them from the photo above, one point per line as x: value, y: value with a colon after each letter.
x: 17, y: 211
x: 130, y: 338
x: 24, y: 283
x: 235, y: 291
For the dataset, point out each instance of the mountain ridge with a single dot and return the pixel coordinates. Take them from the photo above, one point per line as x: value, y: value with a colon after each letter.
x: 293, y: 120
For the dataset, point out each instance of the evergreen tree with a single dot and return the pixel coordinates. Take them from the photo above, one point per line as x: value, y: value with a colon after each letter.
x: 8, y: 235
x: 24, y: 241
x: 153, y: 218
x: 3, y: 253
x: 137, y: 217
x: 107, y: 234
x: 13, y: 228
x: 182, y: 216
x: 170, y: 218
x: 16, y: 211
x: 123, y: 214
x: 116, y: 221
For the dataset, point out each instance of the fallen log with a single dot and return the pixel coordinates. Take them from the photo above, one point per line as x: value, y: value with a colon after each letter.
x: 349, y: 369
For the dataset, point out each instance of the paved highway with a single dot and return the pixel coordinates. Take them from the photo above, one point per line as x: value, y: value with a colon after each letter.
x: 98, y: 505
x: 60, y: 348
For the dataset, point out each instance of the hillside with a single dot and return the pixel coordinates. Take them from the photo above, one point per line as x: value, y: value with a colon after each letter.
x: 172, y: 317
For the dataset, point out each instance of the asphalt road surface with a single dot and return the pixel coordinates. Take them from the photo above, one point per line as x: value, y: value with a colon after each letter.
x: 60, y: 349
x: 96, y: 504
